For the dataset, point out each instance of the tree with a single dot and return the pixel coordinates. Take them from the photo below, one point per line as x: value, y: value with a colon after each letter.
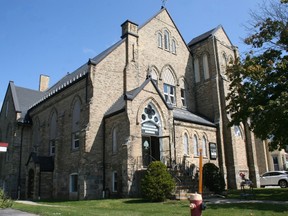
x: 259, y: 88
x: 157, y: 185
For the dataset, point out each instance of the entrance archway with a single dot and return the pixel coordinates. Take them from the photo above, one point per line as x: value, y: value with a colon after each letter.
x: 151, y: 127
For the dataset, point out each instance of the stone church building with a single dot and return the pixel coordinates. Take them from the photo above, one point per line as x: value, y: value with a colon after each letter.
x: 150, y: 96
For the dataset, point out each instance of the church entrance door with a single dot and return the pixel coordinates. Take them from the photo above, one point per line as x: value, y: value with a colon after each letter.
x: 150, y: 149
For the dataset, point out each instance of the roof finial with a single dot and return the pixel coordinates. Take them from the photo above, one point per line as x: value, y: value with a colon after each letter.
x: 163, y: 3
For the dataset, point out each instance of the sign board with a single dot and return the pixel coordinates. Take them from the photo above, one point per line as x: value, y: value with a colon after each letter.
x: 3, y: 147
x: 213, y: 151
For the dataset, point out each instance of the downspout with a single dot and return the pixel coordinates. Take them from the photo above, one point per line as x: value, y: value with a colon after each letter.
x: 104, y: 150
x: 20, y: 162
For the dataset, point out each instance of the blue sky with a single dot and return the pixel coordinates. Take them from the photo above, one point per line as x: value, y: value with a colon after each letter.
x: 53, y: 37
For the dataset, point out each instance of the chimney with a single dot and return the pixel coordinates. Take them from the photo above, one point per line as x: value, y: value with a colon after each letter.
x: 43, y: 82
x: 129, y: 27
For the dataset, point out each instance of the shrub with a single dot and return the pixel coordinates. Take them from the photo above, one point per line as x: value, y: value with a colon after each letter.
x: 157, y: 184
x: 213, y: 179
x: 5, y: 202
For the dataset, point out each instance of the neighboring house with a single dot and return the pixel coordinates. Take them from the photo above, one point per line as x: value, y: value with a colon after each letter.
x: 148, y: 97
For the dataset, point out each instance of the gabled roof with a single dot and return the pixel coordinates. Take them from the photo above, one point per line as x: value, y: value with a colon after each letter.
x: 23, y: 98
x: 120, y: 104
x: 185, y: 115
x: 206, y: 35
x: 46, y: 163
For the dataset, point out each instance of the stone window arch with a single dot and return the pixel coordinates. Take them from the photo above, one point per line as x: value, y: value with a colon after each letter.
x: 166, y: 40
x: 195, y: 145
x: 53, y: 132
x: 160, y: 40
x: 205, y: 61
x: 75, y: 135
x: 36, y: 135
x: 185, y: 144
x: 196, y: 70
x: 204, y: 146
x: 114, y: 140
x: 169, y: 86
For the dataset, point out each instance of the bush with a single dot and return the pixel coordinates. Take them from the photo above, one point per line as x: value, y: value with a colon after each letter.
x: 213, y: 179
x: 157, y: 184
x: 5, y: 202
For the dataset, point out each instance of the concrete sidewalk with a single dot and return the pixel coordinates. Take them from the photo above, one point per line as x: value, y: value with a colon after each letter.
x: 14, y: 212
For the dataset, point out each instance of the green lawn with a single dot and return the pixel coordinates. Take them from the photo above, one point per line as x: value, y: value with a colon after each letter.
x: 137, y: 207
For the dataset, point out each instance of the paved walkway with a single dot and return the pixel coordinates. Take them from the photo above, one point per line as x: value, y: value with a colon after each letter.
x: 14, y: 212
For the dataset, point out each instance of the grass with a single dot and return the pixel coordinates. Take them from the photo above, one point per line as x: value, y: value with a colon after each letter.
x: 138, y: 207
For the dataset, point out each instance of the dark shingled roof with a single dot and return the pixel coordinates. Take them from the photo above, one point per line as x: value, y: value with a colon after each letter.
x: 185, y: 115
x: 202, y: 37
x: 23, y: 98
x: 46, y: 163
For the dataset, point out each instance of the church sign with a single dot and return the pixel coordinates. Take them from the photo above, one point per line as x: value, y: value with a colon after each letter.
x: 3, y: 147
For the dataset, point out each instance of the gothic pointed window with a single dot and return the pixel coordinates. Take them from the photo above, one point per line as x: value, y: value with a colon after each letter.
x: 53, y: 134
x: 196, y: 70
x: 173, y: 46
x: 195, y: 146
x: 166, y: 40
x: 160, y: 40
x: 183, y: 92
x: 204, y: 146
x: 114, y: 141
x: 205, y: 67
x: 169, y: 87
x: 185, y: 144
x: 76, y: 125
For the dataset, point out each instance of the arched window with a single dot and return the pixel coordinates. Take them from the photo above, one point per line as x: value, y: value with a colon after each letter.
x: 166, y: 40
x: 173, y: 46
x: 195, y: 146
x: 237, y: 131
x: 204, y: 147
x: 196, y: 70
x: 205, y: 67
x: 36, y: 135
x: 114, y: 141
x: 160, y: 40
x: 76, y: 125
x: 185, y: 144
x: 169, y: 86
x: 154, y: 76
x: 182, y: 92
x: 53, y: 133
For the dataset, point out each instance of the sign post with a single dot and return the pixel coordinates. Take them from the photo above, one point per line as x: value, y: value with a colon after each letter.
x: 200, y: 186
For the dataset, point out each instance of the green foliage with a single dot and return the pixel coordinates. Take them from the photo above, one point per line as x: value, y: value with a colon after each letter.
x: 259, y: 87
x: 157, y: 183
x: 213, y: 179
x: 5, y: 202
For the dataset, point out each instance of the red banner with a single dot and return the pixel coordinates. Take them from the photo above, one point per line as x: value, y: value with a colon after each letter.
x: 3, y: 147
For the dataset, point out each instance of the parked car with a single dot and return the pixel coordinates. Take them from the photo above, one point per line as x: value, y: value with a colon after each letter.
x: 274, y: 178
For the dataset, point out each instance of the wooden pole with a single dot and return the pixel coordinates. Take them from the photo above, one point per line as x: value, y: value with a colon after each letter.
x: 200, y: 186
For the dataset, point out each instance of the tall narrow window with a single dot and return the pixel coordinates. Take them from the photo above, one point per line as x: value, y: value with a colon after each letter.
x: 182, y: 92
x: 169, y: 86
x: 160, y: 40
x: 76, y: 125
x: 36, y: 135
x: 74, y: 183
x: 173, y: 46
x: 166, y: 40
x: 114, y: 140
x: 114, y: 182
x: 205, y: 66
x: 169, y: 93
x: 196, y: 70
x: 53, y: 133
x: 185, y: 144
x: 195, y: 146
x: 204, y: 148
